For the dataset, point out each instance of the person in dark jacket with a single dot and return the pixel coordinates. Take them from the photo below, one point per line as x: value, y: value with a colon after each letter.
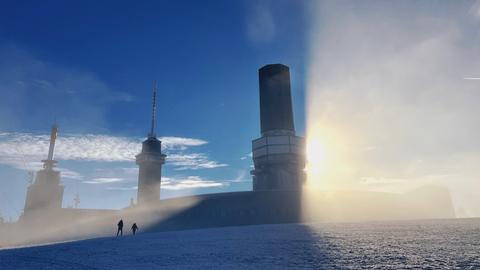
x: 134, y: 228
x: 120, y: 227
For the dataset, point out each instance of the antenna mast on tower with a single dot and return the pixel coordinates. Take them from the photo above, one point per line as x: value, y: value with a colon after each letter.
x: 49, y: 163
x: 154, y: 111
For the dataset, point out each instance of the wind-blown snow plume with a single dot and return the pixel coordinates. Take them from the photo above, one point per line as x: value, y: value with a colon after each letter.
x: 392, y: 95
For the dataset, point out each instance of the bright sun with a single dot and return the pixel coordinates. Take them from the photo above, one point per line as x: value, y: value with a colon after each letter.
x: 316, y: 159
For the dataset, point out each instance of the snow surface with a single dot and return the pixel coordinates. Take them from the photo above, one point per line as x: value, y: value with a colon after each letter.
x: 434, y: 244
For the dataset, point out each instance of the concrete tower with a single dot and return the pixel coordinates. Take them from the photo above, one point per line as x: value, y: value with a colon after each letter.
x: 279, y: 155
x: 150, y: 162
x: 46, y: 192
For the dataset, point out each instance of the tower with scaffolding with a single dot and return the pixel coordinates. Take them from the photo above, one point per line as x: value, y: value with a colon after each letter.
x: 279, y: 155
x: 46, y: 192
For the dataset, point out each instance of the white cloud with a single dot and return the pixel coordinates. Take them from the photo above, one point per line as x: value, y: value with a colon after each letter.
x: 189, y: 182
x: 169, y: 182
x: 67, y: 173
x: 130, y: 170
x: 180, y: 142
x: 176, y: 183
x: 193, y: 161
x: 104, y: 180
x: 25, y: 150
x: 123, y: 188
x: 247, y: 156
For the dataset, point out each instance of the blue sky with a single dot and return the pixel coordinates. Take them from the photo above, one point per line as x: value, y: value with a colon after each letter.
x: 90, y: 66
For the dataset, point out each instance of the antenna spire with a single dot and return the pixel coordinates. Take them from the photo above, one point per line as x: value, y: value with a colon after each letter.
x: 49, y: 162
x: 154, y: 111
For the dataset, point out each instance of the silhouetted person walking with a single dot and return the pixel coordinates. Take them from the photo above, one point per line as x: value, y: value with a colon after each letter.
x: 120, y: 228
x: 134, y: 228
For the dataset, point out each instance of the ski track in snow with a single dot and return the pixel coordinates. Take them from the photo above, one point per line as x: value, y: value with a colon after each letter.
x: 435, y: 244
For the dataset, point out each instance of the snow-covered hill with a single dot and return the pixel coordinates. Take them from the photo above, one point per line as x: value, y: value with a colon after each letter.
x: 437, y: 243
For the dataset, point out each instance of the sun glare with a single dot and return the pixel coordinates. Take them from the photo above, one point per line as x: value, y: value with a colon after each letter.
x: 316, y: 159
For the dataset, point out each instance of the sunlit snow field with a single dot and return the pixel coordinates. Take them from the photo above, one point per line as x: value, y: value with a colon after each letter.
x: 430, y: 244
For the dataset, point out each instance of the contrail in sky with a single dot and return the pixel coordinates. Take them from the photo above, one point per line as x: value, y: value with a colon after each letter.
x: 471, y: 78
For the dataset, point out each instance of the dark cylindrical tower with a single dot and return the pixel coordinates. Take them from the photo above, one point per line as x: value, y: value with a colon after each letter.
x: 275, y: 99
x: 279, y: 155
